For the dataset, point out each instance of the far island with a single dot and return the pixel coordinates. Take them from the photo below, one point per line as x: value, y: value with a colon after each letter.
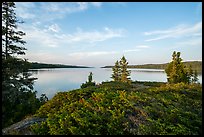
x: 36, y: 65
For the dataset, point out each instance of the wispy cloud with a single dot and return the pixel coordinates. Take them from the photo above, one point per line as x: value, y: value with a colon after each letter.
x: 51, y: 35
x: 23, y: 10
x: 194, y: 42
x: 132, y: 50
x: 54, y: 28
x: 96, y: 4
x: 41, y: 37
x: 65, y: 7
x: 43, y: 56
x: 137, y: 48
x: 191, y: 42
x: 94, y: 36
x: 176, y: 32
x: 79, y: 55
x: 51, y: 10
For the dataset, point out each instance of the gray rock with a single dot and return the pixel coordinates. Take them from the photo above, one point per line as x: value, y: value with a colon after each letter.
x: 22, y: 127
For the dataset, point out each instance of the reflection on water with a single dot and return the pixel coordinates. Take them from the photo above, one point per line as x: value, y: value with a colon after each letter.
x: 51, y: 81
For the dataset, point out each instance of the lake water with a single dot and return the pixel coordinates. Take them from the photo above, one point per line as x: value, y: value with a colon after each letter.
x: 51, y: 81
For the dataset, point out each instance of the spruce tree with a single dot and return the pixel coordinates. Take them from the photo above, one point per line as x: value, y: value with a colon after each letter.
x: 10, y: 35
x: 124, y: 72
x: 176, y: 71
x: 17, y: 85
x: 116, y: 76
x: 90, y: 77
x: 89, y: 82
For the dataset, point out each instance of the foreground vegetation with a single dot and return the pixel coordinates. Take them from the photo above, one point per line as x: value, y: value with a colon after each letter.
x: 116, y: 108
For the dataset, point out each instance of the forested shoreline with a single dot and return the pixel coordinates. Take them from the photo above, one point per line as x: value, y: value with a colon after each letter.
x: 196, y: 65
x: 36, y: 65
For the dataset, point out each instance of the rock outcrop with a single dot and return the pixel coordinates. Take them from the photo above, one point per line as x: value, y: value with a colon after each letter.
x: 22, y: 127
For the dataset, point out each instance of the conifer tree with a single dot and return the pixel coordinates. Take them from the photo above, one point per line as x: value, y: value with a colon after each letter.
x: 90, y: 77
x: 176, y: 71
x: 116, y: 76
x: 17, y: 85
x: 10, y: 35
x: 89, y: 82
x: 120, y: 72
x: 15, y: 75
x: 124, y: 72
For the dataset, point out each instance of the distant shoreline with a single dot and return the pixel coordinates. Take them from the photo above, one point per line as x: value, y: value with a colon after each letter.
x: 36, y: 65
x: 196, y: 65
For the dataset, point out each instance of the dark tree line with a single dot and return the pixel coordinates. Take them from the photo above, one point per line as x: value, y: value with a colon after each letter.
x: 35, y: 65
x: 18, y: 96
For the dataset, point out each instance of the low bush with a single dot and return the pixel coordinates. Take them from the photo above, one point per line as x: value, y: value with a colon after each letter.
x: 114, y: 108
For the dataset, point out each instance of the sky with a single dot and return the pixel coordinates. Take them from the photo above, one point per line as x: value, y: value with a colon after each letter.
x: 99, y: 33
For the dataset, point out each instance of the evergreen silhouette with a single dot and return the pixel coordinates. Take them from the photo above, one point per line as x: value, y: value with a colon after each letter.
x: 120, y: 72
x: 18, y: 97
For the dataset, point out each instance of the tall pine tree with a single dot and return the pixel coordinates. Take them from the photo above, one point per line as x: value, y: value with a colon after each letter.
x: 10, y: 35
x: 116, y: 76
x: 120, y: 72
x: 90, y: 77
x: 17, y: 85
x: 124, y: 72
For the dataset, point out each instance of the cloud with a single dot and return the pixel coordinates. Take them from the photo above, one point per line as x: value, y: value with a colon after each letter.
x: 132, y: 50
x: 54, y: 28
x: 23, y: 10
x: 51, y: 36
x: 91, y: 54
x: 194, y: 42
x: 137, y: 48
x: 75, y: 58
x: 51, y: 10
x: 43, y: 56
x: 96, y: 4
x: 191, y: 42
x: 41, y: 36
x: 82, y: 6
x: 93, y: 36
x: 176, y: 32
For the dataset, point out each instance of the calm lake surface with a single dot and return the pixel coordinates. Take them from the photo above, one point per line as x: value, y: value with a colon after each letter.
x: 51, y: 81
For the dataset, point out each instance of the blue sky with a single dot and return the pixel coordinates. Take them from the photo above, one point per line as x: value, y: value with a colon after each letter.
x: 99, y: 33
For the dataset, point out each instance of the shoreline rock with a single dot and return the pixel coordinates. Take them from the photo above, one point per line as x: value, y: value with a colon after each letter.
x: 22, y: 127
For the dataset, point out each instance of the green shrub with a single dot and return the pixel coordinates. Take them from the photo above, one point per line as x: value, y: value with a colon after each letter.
x: 114, y: 108
x: 88, y: 84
